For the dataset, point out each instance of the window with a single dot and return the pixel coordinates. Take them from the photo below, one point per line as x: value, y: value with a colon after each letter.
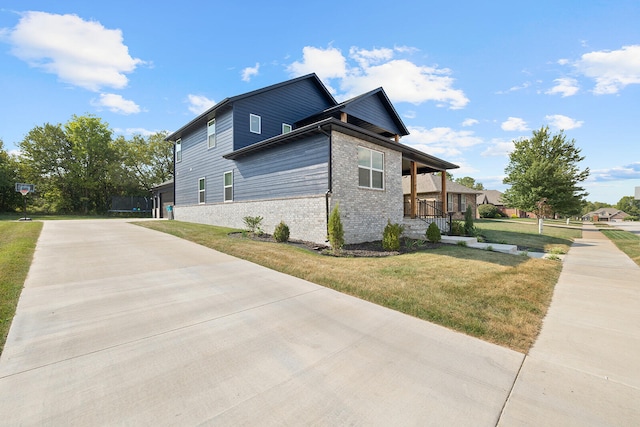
x: 201, y: 191
x: 449, y: 202
x: 255, y: 123
x: 211, y: 133
x: 286, y: 128
x: 228, y: 186
x: 463, y: 203
x: 178, y: 150
x: 370, y: 168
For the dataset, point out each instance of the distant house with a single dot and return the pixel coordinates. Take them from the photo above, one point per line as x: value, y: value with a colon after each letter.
x: 162, y: 198
x: 429, y: 195
x: 606, y: 214
x: 494, y: 197
x: 289, y: 152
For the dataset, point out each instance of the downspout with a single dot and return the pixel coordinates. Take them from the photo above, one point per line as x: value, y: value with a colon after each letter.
x: 330, y: 183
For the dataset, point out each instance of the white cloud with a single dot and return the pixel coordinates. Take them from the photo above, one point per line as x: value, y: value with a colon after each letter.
x: 469, y: 122
x: 402, y: 80
x: 441, y: 140
x: 612, y: 70
x: 514, y: 124
x: 498, y: 148
x: 565, y: 86
x: 410, y: 114
x: 135, y: 131
x: 630, y: 171
x: 249, y: 72
x: 82, y: 53
x: 514, y: 88
x: 198, y: 104
x: 558, y: 121
x: 116, y: 104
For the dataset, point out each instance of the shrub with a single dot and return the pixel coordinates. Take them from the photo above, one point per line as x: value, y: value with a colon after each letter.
x: 469, y: 228
x: 253, y: 224
x: 433, y: 233
x: 281, y: 233
x: 488, y: 211
x: 336, y: 232
x: 391, y: 236
x: 457, y: 228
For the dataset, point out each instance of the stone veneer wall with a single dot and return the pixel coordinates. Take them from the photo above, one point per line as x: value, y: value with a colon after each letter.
x: 305, y: 216
x: 364, y: 212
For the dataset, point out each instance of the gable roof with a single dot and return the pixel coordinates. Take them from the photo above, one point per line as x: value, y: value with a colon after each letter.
x: 430, y: 183
x: 608, y: 213
x: 228, y: 102
x: 493, y: 197
x: 350, y: 107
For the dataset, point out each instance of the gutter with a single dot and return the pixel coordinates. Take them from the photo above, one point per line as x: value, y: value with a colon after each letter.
x: 330, y: 183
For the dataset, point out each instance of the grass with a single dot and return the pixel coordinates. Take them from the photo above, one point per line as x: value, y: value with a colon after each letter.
x: 627, y: 242
x: 524, y: 233
x: 17, y: 244
x: 496, y: 297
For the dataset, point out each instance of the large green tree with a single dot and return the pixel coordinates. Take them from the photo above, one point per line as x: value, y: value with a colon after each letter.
x: 9, y: 198
x: 544, y: 175
x: 469, y: 182
x: 147, y: 161
x: 630, y: 205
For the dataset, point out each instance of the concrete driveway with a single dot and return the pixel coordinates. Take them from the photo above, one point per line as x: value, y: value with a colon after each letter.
x: 118, y: 325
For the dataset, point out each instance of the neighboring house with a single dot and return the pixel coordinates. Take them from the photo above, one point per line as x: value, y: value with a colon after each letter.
x: 606, y: 214
x: 429, y: 190
x: 289, y: 152
x: 494, y: 197
x: 162, y: 198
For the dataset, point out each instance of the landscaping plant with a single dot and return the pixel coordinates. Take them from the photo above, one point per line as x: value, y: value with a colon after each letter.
x: 469, y: 228
x: 253, y: 224
x: 391, y: 236
x: 281, y: 233
x: 433, y: 233
x: 336, y: 232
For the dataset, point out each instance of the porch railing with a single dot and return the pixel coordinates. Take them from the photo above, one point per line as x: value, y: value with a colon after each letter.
x: 428, y: 210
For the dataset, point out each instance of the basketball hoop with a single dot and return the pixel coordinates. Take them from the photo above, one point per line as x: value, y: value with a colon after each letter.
x: 24, y: 191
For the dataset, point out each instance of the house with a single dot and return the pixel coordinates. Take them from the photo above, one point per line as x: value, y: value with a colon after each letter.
x: 162, y: 198
x: 429, y: 195
x: 494, y: 197
x: 290, y: 152
x: 606, y: 214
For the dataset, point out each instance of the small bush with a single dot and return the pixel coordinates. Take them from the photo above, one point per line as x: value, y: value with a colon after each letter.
x: 457, y: 228
x: 281, y: 233
x: 488, y: 211
x: 469, y: 228
x: 433, y: 233
x: 253, y: 224
x: 336, y: 231
x: 391, y: 236
x: 462, y: 243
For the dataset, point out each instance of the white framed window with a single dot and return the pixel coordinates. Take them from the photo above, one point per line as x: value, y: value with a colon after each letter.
x: 178, y: 150
x: 370, y: 168
x: 201, y: 190
x: 463, y: 203
x: 211, y: 133
x: 255, y: 123
x: 228, y: 186
x: 286, y: 128
x: 449, y: 202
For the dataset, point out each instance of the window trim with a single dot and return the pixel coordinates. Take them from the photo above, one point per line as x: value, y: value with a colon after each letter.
x: 463, y: 202
x: 450, y: 202
x: 225, y: 186
x: 209, y: 133
x: 371, y: 169
x: 259, y: 130
x: 285, y: 126
x: 202, y: 195
x: 178, y: 150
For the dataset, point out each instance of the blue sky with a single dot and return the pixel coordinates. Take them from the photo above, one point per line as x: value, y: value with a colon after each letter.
x: 467, y: 77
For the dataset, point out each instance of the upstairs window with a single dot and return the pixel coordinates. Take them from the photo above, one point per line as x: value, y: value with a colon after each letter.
x: 286, y: 128
x: 211, y: 133
x: 228, y: 186
x: 201, y: 190
x: 370, y: 168
x: 178, y: 150
x: 255, y: 123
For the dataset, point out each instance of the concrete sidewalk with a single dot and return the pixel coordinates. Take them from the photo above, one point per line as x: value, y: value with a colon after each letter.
x: 584, y: 369
x: 119, y: 325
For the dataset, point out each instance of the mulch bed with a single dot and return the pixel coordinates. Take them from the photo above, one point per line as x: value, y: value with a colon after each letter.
x: 367, y: 249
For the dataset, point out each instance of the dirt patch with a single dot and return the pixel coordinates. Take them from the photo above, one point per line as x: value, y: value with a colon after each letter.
x: 367, y: 249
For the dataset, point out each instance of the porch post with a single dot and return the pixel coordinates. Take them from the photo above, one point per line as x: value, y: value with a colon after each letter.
x: 443, y: 178
x: 414, y: 189
x: 343, y: 117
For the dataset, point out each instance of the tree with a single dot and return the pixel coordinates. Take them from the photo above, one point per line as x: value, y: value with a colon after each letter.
x: 9, y: 198
x: 544, y: 175
x: 469, y: 182
x: 630, y: 205
x: 148, y: 161
x: 594, y: 206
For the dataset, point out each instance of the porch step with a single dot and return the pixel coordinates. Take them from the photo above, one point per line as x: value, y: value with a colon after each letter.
x: 472, y: 242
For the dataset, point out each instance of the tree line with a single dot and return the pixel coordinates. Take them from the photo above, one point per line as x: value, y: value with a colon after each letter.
x: 79, y: 166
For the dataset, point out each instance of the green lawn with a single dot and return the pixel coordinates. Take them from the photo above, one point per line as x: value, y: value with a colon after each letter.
x: 628, y: 243
x: 556, y: 237
x: 497, y: 297
x: 17, y: 244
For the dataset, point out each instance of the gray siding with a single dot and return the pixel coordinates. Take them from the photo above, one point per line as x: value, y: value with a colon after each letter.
x: 372, y: 110
x: 287, y: 104
x: 295, y: 169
